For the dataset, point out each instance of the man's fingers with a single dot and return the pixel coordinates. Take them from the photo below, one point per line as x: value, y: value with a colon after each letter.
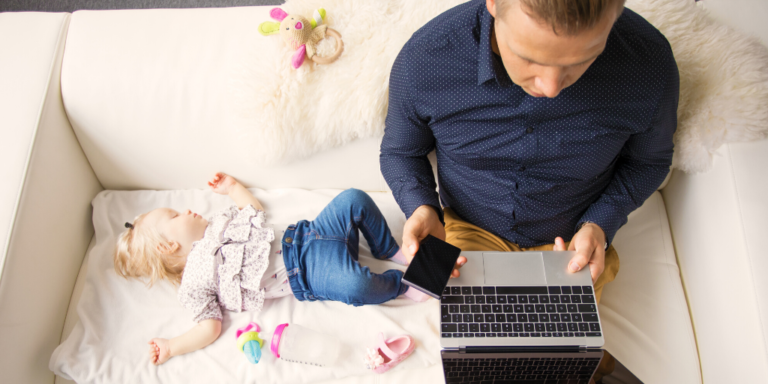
x: 410, y: 245
x: 559, y: 244
x: 595, y: 271
x: 459, y: 263
x: 578, y: 262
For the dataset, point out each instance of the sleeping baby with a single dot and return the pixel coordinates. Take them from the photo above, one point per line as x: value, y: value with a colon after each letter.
x: 234, y: 261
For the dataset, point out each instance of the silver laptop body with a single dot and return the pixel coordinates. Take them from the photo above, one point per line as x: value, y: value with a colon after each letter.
x: 520, y: 283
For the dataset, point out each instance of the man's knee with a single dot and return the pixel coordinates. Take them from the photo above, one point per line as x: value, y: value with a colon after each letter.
x: 612, y: 265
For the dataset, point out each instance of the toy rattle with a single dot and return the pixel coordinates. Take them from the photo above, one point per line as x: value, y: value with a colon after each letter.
x: 249, y: 342
x: 302, y: 35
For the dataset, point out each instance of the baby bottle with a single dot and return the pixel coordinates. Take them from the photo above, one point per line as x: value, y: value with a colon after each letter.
x: 292, y: 342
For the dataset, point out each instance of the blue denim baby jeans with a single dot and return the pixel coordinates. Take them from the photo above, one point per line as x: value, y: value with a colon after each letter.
x: 321, y: 255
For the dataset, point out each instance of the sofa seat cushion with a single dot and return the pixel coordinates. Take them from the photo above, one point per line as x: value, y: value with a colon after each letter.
x: 643, y: 310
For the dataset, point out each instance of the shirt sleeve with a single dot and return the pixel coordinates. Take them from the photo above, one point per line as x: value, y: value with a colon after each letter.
x: 642, y: 165
x: 406, y: 143
x: 198, y: 294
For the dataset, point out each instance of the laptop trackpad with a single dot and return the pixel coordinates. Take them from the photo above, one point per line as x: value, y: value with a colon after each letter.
x: 514, y: 268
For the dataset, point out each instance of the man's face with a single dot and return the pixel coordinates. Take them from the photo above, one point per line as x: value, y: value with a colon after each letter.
x: 540, y: 61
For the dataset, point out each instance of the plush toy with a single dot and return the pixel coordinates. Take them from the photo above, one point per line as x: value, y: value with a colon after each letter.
x: 302, y: 35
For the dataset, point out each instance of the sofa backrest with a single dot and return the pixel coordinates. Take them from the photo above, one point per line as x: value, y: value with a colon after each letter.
x: 148, y: 93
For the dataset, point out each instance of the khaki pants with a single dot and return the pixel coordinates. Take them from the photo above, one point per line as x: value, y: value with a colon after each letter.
x: 469, y: 237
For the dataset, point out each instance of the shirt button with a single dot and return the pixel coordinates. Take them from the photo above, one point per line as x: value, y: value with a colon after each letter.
x: 514, y: 227
x: 288, y: 240
x: 529, y: 130
x: 522, y: 168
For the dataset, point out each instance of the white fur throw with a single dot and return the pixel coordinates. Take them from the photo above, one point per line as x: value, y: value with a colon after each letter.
x: 723, y: 81
x: 285, y: 112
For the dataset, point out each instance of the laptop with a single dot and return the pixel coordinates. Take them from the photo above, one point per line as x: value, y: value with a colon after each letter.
x: 520, y: 317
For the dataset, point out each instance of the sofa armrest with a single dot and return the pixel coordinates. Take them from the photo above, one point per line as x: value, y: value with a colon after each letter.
x: 44, y: 199
x: 719, y: 220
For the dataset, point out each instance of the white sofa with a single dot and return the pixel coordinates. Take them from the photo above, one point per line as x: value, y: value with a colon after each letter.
x: 126, y: 100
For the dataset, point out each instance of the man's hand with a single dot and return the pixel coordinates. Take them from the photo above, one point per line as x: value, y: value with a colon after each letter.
x: 424, y: 221
x: 589, y: 244
x: 159, y: 351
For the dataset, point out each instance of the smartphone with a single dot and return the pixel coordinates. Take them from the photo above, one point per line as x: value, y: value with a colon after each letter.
x: 431, y: 267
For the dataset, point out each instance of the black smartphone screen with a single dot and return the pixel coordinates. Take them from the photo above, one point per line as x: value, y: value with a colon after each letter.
x: 431, y: 267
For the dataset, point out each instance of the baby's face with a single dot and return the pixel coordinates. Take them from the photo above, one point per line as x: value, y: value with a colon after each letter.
x: 182, y: 227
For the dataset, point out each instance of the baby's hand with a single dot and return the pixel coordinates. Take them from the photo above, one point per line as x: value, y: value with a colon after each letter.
x: 159, y: 351
x: 222, y: 183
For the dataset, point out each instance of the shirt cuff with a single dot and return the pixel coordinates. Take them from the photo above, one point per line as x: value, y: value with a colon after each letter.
x: 415, y: 198
x: 606, y: 217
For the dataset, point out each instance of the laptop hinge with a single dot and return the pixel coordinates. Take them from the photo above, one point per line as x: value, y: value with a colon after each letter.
x: 561, y: 348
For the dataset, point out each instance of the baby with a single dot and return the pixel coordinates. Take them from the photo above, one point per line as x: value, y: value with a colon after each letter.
x: 233, y: 260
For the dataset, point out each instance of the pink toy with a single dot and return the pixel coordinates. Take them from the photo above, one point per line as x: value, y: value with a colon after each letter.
x: 249, y: 342
x: 302, y: 34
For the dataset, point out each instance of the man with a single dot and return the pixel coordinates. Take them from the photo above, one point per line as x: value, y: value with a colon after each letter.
x: 550, y: 119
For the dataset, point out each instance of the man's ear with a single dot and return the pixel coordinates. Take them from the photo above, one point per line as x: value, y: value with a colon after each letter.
x: 168, y: 248
x: 491, y: 5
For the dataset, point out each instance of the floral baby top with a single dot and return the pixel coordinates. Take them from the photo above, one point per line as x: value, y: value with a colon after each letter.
x: 225, y: 268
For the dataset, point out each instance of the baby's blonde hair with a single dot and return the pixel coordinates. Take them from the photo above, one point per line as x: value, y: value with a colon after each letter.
x: 136, y: 255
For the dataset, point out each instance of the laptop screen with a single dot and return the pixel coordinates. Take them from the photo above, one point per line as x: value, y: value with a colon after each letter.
x: 527, y: 367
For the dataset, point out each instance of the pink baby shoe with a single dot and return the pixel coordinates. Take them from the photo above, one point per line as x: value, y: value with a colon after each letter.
x: 388, y: 353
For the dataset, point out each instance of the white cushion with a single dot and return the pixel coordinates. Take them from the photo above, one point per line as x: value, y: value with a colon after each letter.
x: 644, y: 312
x: 148, y: 93
x: 652, y: 337
x: 719, y: 220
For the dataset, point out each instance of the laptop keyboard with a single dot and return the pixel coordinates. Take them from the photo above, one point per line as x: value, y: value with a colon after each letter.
x: 567, y: 311
x: 520, y: 370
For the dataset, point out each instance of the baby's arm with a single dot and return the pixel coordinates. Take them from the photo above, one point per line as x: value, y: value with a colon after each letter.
x: 204, y: 333
x: 224, y: 184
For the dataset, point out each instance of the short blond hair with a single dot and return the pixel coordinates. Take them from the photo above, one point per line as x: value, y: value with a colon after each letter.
x: 566, y: 16
x: 136, y: 255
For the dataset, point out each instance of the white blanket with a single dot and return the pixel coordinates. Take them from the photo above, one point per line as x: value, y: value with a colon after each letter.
x: 118, y: 317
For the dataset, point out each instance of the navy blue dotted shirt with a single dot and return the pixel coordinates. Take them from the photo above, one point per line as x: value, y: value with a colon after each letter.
x: 529, y: 169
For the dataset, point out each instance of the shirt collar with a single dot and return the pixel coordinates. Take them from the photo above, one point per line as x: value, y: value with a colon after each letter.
x: 488, y: 66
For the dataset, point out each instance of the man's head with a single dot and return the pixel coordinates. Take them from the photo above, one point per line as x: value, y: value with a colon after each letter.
x: 546, y: 45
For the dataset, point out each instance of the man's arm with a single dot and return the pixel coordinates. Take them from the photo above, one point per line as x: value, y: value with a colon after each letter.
x: 404, y: 164
x: 642, y: 166
x: 406, y: 143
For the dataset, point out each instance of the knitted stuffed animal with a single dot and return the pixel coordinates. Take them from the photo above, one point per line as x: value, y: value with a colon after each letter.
x: 302, y: 35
